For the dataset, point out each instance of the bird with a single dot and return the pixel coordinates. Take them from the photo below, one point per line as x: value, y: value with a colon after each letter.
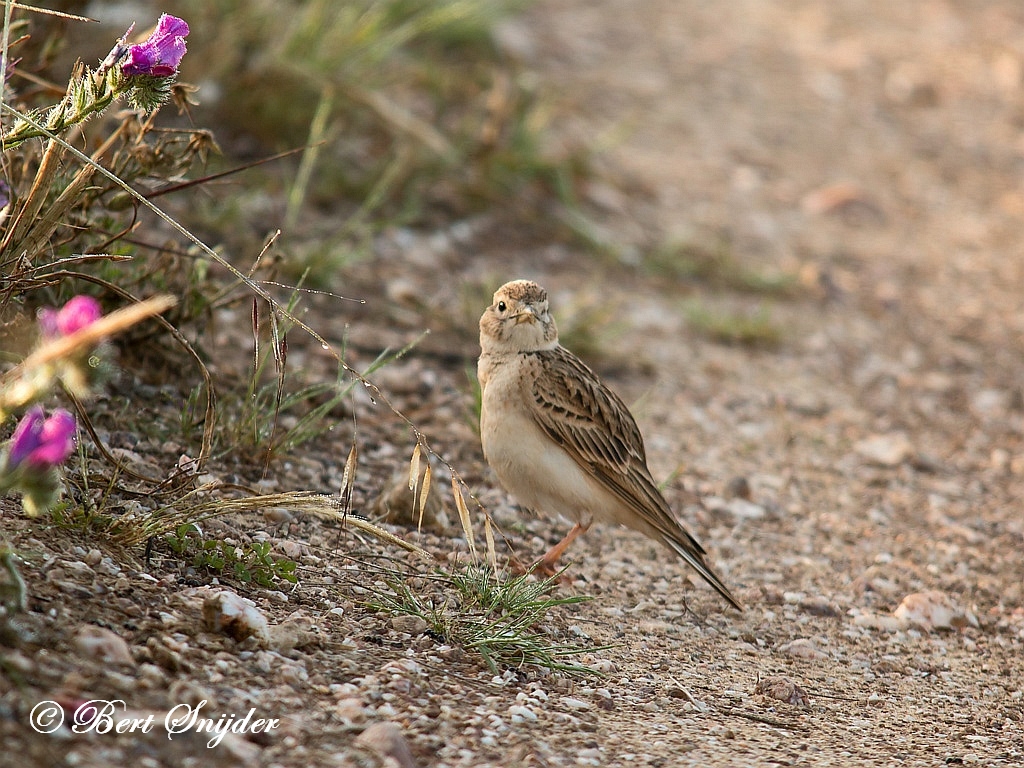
x: 559, y: 440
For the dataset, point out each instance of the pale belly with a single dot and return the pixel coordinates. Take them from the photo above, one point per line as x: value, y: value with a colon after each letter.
x: 541, y: 475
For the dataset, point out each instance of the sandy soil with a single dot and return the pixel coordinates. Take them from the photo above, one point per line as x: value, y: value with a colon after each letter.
x: 874, y: 151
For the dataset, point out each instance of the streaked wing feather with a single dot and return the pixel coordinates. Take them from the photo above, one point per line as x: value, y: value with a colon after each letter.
x: 595, y: 427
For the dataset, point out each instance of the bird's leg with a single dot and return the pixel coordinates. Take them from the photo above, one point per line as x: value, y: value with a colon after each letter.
x: 548, y: 565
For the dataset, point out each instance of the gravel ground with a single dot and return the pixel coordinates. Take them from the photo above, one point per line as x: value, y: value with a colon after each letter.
x: 860, y: 478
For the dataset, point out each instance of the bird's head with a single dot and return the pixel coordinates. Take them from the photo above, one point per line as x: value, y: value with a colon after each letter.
x: 518, y: 320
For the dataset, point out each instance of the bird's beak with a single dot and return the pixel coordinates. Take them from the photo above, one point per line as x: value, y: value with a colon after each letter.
x: 529, y: 316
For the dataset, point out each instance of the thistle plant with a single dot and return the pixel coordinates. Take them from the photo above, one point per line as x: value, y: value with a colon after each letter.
x: 142, y: 74
x: 55, y: 210
x: 65, y: 355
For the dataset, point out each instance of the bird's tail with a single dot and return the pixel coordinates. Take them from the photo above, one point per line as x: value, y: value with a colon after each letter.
x: 696, y: 559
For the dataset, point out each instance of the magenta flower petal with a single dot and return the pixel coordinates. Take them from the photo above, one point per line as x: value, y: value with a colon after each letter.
x: 26, y: 437
x: 169, y: 26
x: 141, y: 60
x: 48, y: 322
x: 41, y: 443
x: 160, y: 54
x: 77, y: 314
x: 73, y: 316
x: 57, y: 441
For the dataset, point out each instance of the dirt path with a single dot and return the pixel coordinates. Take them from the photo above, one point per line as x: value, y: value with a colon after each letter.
x: 873, y: 150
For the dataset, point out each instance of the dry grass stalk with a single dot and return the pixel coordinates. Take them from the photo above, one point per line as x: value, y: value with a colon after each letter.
x: 467, y: 526
x: 192, y: 509
x: 492, y: 554
x: 424, y: 493
x: 348, y: 480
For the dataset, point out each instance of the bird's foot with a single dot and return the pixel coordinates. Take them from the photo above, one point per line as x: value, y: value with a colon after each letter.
x: 549, y: 568
x: 544, y: 568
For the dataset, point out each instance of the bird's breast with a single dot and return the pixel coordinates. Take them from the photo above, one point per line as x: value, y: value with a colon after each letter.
x: 531, y: 466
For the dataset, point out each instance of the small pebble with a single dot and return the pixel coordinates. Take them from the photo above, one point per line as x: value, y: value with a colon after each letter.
x: 102, y: 644
x: 933, y: 610
x: 802, y: 648
x: 783, y: 689
x: 520, y: 714
x: 235, y: 616
x: 410, y: 625
x: 388, y: 741
x: 573, y: 703
x: 888, y: 450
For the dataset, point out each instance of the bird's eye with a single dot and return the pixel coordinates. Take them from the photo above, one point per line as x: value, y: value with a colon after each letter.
x: 502, y: 306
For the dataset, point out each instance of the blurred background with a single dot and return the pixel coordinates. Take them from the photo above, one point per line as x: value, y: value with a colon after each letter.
x: 788, y: 234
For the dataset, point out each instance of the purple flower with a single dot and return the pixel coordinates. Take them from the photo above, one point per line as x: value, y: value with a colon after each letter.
x: 42, y: 443
x: 160, y: 54
x: 73, y: 316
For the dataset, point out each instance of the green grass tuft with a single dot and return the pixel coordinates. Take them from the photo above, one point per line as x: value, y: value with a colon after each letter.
x: 744, y: 328
x: 495, y: 617
x: 715, y: 264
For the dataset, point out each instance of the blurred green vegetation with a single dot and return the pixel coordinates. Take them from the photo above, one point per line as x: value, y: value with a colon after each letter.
x: 395, y: 112
x: 747, y: 327
x: 408, y: 112
x: 399, y: 113
x: 711, y: 260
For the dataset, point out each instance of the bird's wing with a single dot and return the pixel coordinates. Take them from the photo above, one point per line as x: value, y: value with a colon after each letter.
x: 576, y: 410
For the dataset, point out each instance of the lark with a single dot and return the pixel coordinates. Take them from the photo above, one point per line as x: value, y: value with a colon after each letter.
x: 562, y: 442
